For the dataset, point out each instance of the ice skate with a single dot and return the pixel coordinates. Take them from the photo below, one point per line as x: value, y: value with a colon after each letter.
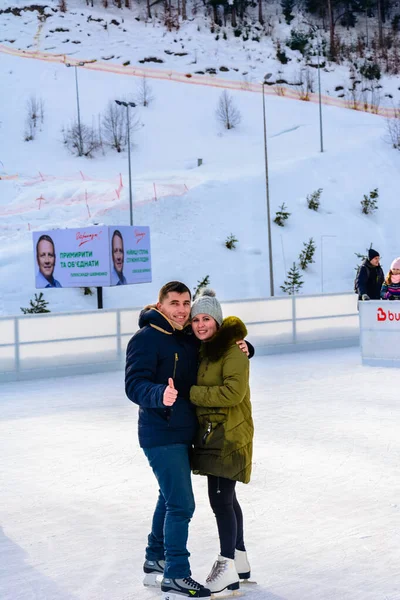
x: 223, y: 576
x: 177, y: 589
x: 243, y: 567
x: 154, y: 572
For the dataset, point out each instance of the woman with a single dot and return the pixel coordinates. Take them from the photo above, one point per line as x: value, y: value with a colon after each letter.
x: 391, y: 286
x: 224, y: 443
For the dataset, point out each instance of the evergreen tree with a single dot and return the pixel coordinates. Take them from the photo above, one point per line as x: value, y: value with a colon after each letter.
x: 293, y: 282
x: 231, y: 242
x: 313, y: 200
x: 306, y: 256
x: 369, y: 203
x: 287, y: 7
x: 281, y: 216
x: 38, y: 305
x: 202, y: 283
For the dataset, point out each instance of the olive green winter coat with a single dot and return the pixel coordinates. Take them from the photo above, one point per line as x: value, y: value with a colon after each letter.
x: 224, y: 443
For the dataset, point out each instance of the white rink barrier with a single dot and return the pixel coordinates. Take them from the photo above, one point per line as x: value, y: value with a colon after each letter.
x: 48, y: 345
x: 380, y: 332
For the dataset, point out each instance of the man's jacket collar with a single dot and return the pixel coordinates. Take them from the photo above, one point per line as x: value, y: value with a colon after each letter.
x: 150, y: 315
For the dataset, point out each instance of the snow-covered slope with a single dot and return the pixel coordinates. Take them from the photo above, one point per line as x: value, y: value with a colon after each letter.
x: 196, y: 207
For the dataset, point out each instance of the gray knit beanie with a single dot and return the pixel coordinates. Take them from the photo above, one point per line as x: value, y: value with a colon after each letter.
x: 207, y: 304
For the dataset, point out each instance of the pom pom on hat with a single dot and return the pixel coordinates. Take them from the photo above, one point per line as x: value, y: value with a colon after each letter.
x: 395, y: 264
x: 207, y: 304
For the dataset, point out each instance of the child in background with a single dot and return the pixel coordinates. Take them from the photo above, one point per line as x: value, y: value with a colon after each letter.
x: 391, y: 286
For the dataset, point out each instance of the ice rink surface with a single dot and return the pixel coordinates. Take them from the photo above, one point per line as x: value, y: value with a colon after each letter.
x: 322, y: 512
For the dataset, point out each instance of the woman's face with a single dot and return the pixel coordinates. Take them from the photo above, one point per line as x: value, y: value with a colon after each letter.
x: 204, y: 327
x: 396, y: 271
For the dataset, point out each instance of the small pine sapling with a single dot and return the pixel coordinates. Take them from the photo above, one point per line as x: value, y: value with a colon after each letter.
x: 306, y: 256
x: 38, y: 305
x: 231, y: 242
x: 281, y: 215
x: 369, y: 203
x: 313, y: 200
x: 293, y: 281
x: 202, y: 283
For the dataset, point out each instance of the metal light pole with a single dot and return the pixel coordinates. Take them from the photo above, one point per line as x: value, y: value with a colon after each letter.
x: 128, y: 105
x: 80, y: 64
x: 271, y: 268
x: 322, y: 259
x: 320, y: 103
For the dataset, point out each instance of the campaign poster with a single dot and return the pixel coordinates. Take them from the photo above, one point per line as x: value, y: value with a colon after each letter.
x: 72, y: 257
x: 130, y: 255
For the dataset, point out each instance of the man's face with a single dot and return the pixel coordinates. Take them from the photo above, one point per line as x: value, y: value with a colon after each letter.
x: 118, y: 253
x: 46, y: 258
x: 176, y: 307
x: 375, y: 261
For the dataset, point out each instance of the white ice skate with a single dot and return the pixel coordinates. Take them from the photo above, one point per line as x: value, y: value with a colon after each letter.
x: 223, y: 576
x: 243, y: 567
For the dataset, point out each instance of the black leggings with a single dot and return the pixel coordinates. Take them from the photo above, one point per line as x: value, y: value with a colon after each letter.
x: 228, y: 513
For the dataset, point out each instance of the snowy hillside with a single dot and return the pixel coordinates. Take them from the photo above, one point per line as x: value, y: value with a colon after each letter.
x: 191, y: 210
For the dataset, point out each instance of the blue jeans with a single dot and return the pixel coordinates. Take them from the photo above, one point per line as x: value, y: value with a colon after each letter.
x: 174, y: 509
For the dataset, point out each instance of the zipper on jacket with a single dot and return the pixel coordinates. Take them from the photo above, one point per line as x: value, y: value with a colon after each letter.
x: 207, y: 433
x: 175, y: 362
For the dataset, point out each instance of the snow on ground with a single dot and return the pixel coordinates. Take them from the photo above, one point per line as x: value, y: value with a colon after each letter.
x: 322, y: 513
x: 226, y: 195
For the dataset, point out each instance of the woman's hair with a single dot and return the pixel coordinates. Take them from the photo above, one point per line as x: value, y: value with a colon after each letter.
x: 388, y: 278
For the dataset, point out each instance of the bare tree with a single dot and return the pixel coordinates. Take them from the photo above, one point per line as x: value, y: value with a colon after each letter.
x: 115, y: 126
x: 393, y: 128
x: 144, y: 94
x: 72, y: 139
x: 35, y: 114
x: 226, y: 112
x: 62, y: 6
x: 305, y: 83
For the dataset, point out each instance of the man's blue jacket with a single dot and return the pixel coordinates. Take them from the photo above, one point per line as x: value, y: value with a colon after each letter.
x: 155, y: 353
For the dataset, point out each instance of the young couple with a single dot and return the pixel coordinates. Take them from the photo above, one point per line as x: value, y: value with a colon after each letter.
x: 191, y: 382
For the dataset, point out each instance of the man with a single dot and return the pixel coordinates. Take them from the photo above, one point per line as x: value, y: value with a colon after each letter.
x: 117, y: 250
x: 46, y: 260
x: 370, y: 277
x: 161, y: 367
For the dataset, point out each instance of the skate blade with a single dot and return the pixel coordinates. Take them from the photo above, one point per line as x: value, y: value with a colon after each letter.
x: 152, y: 580
x: 227, y: 594
x: 177, y: 596
x: 248, y: 582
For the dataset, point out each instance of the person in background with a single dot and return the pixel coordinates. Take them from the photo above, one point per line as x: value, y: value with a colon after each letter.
x: 224, y: 442
x: 370, y: 277
x: 391, y: 286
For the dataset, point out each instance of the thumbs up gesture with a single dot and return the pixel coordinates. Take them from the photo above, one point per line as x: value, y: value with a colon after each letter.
x: 170, y: 393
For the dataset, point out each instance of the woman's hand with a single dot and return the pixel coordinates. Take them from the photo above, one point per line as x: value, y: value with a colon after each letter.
x: 243, y: 346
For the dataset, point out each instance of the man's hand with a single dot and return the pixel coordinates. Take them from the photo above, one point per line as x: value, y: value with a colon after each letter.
x: 170, y: 393
x: 365, y: 297
x: 243, y: 346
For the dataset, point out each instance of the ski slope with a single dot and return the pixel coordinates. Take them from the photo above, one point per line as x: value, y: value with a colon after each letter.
x: 322, y: 512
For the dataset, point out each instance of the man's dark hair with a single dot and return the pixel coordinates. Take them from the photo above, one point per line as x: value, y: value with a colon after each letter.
x: 118, y: 234
x: 44, y: 238
x: 173, y: 286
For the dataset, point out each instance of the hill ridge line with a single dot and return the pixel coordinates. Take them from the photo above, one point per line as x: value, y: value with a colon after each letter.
x: 188, y: 78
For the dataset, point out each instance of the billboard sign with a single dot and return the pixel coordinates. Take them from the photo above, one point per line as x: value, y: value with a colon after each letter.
x: 92, y: 256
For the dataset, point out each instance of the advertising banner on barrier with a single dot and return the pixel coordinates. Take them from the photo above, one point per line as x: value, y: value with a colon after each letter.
x: 380, y: 332
x: 92, y: 256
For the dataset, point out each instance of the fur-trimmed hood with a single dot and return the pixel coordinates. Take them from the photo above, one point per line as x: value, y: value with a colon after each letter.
x: 231, y: 331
